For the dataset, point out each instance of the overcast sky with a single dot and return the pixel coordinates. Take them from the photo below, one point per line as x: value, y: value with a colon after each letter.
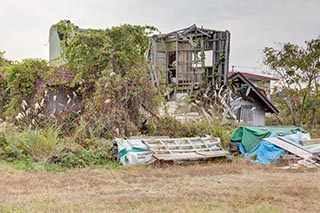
x: 254, y: 24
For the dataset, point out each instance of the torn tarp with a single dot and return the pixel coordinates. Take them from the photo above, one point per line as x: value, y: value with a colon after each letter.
x: 250, y: 137
x: 264, y: 152
x: 133, y: 152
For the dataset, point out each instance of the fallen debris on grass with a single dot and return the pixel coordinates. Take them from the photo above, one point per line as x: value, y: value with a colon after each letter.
x: 146, y: 150
x: 308, y: 159
x: 267, y: 145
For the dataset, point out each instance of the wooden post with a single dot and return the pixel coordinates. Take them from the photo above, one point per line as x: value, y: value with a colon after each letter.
x: 214, y: 82
x: 177, y: 58
x: 202, y: 58
x: 226, y: 56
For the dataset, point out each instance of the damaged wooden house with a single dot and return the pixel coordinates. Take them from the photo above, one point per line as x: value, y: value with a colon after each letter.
x: 190, y: 57
x: 196, y: 58
x: 188, y: 62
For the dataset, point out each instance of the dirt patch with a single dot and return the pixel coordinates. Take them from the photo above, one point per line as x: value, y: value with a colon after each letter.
x: 218, y: 187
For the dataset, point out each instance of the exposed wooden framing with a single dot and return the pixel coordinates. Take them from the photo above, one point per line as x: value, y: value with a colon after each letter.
x: 187, y: 39
x: 184, y: 43
x: 185, y: 148
x: 177, y: 58
x: 226, y: 65
x: 220, y: 73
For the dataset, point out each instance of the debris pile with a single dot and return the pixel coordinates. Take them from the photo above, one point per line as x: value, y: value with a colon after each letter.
x: 146, y: 150
x: 266, y: 145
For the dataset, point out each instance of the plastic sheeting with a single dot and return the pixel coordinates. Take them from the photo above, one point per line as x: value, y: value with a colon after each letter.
x: 250, y: 137
x: 265, y: 152
x: 133, y: 152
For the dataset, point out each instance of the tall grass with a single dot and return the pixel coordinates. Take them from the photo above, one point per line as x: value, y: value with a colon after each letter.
x: 35, y: 144
x: 47, y: 147
x: 39, y: 145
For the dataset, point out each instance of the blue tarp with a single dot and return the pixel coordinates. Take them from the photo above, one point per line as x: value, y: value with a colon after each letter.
x: 266, y: 153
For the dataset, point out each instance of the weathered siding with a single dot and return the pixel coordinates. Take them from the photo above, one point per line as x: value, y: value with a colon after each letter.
x: 252, y: 113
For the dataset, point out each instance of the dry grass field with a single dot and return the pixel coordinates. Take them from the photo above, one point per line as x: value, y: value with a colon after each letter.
x: 211, y: 187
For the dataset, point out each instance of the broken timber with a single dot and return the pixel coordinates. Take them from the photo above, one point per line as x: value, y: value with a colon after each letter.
x: 309, y: 159
x: 185, y: 148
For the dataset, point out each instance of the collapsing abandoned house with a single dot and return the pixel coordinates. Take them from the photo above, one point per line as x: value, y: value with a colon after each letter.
x: 190, y: 57
x: 248, y: 102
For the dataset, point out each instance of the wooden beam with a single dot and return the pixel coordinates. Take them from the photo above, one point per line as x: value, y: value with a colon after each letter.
x: 177, y: 56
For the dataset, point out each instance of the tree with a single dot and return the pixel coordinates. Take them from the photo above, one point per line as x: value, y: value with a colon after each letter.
x: 299, y: 72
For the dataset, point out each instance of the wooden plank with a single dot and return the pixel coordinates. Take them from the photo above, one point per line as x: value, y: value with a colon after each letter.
x: 148, y: 137
x: 290, y: 147
x: 191, y: 156
x: 307, y: 164
x: 182, y: 145
x: 187, y: 150
x: 177, y: 56
x: 191, y: 138
x: 311, y: 142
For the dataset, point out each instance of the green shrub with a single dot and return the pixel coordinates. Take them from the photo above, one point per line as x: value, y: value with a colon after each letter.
x: 53, y: 168
x: 96, y: 152
x: 38, y: 145
x: 24, y: 164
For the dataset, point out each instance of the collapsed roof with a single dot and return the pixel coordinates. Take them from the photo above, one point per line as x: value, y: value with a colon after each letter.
x: 251, y: 90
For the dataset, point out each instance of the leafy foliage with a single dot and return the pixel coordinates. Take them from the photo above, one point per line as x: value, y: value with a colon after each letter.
x: 111, y: 71
x: 21, y: 80
x: 2, y: 60
x: 48, y: 148
x: 66, y: 31
x: 3, y: 83
x: 299, y: 72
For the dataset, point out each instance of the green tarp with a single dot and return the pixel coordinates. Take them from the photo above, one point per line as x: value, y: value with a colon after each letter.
x: 251, y: 136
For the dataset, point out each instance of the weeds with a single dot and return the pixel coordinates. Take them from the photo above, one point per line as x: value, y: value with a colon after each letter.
x: 45, y: 147
x: 24, y: 164
x: 171, y: 127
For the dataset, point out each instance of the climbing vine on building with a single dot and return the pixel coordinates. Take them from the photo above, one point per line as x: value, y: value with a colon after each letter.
x: 21, y: 79
x: 111, y: 74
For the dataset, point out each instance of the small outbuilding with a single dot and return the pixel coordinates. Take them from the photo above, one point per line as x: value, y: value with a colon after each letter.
x: 249, y: 102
